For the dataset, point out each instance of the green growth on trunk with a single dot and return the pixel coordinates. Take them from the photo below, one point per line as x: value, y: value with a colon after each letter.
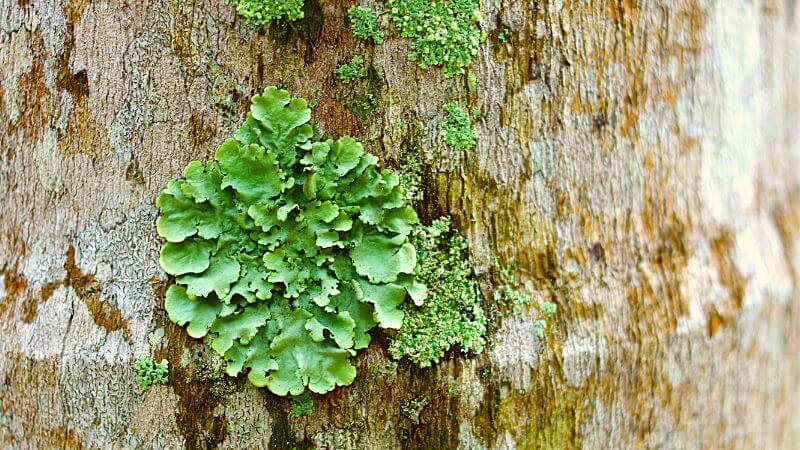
x: 453, y: 314
x: 443, y: 32
x: 149, y: 373
x: 355, y: 70
x: 287, y: 250
x: 364, y: 25
x: 457, y: 130
x: 262, y: 12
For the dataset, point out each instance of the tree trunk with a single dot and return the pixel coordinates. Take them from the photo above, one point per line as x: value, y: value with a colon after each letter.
x: 637, y: 164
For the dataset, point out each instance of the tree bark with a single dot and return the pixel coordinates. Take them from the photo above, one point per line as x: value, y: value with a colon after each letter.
x: 637, y: 164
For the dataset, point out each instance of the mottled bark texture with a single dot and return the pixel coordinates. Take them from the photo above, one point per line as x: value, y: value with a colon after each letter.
x: 637, y: 164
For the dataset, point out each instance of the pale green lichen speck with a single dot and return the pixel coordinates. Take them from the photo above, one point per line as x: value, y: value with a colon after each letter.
x: 519, y: 301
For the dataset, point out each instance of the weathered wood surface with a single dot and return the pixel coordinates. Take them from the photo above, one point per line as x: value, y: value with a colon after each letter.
x: 637, y: 164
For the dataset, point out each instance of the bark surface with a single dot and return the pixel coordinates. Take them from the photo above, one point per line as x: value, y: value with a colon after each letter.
x: 637, y: 164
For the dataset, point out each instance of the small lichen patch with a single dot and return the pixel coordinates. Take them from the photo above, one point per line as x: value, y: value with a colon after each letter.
x: 411, y: 177
x: 363, y: 24
x: 262, y: 12
x: 518, y: 301
x: 453, y: 314
x: 355, y: 70
x: 516, y: 350
x: 149, y: 373
x: 363, y: 105
x: 444, y: 32
x: 301, y: 405
x: 457, y: 130
x: 412, y: 409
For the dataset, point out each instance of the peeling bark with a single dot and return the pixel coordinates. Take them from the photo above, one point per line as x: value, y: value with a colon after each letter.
x: 637, y: 164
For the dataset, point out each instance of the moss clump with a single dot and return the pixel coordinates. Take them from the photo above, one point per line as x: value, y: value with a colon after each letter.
x: 301, y: 405
x: 444, y: 32
x: 149, y: 373
x: 355, y: 70
x: 457, y: 130
x: 364, y: 25
x: 453, y: 389
x: 262, y: 12
x: 452, y: 314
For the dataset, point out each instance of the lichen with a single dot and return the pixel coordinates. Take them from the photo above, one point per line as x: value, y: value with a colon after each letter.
x: 453, y: 389
x: 149, y: 373
x: 457, y: 130
x: 363, y: 105
x: 287, y: 251
x: 517, y: 301
x: 363, y: 24
x: 301, y: 405
x: 453, y: 314
x: 262, y: 12
x: 411, y: 177
x: 355, y: 70
x: 412, y: 409
x: 443, y: 32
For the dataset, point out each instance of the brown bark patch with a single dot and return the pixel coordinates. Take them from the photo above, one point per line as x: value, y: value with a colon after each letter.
x: 201, y: 131
x: 87, y: 288
x: 14, y: 282
x: 29, y: 394
x: 195, y: 416
x: 33, y: 93
x: 722, y: 247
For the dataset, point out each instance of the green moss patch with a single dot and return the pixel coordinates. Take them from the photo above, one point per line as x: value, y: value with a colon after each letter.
x: 355, y: 70
x: 301, y: 405
x: 148, y: 372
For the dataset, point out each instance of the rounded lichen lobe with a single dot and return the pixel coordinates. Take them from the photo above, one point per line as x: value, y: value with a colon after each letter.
x: 287, y: 250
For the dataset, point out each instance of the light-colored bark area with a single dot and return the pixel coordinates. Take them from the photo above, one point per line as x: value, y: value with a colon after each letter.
x: 637, y: 164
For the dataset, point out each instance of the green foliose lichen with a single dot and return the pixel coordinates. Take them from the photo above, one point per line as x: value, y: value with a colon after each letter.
x: 443, y: 32
x: 452, y: 314
x: 457, y: 130
x: 149, y: 373
x: 355, y: 70
x: 287, y: 251
x: 262, y: 12
x: 363, y: 24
